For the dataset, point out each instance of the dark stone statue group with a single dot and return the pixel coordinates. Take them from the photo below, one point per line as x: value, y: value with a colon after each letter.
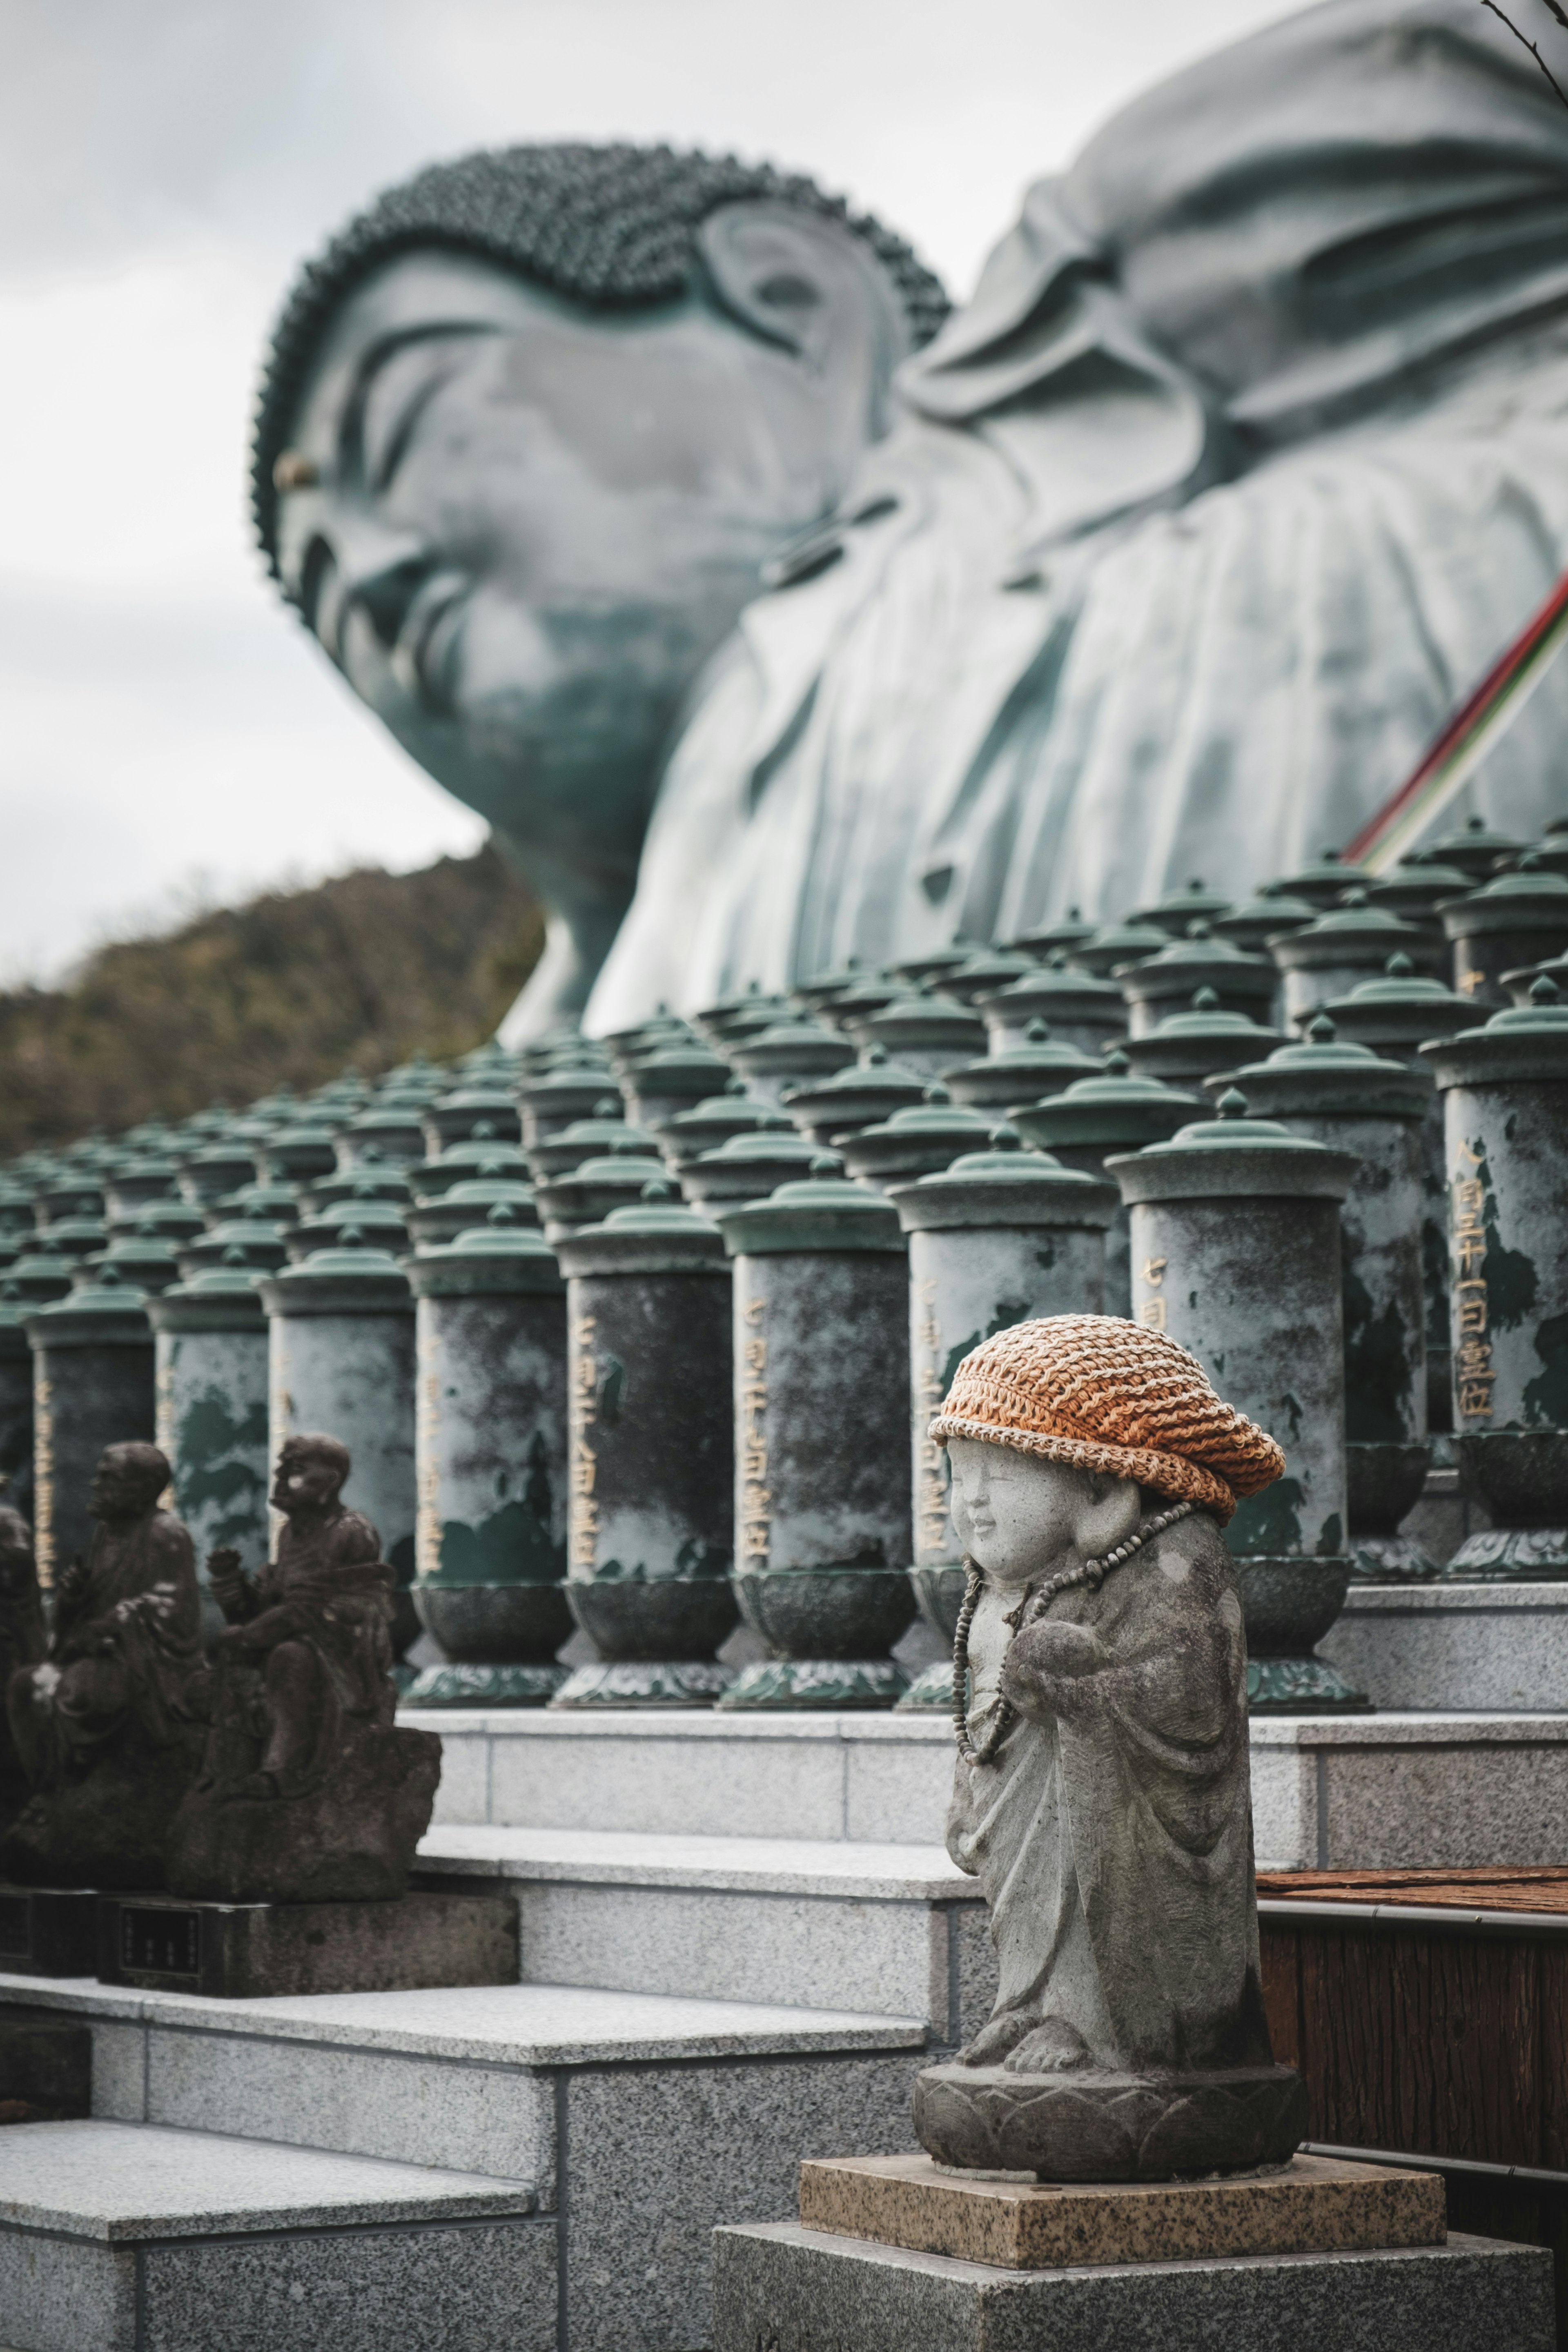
x: 268, y: 1770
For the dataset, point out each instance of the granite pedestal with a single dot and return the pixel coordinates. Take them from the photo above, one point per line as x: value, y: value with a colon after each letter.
x: 248, y: 1951
x: 1456, y: 1647
x: 780, y: 2288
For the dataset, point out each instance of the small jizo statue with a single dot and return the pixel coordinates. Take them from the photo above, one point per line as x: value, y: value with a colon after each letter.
x: 1101, y: 1794
x: 109, y: 1726
x: 309, y: 1793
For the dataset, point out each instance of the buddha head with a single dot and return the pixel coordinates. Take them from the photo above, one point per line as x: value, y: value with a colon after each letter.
x: 309, y: 1473
x: 530, y: 432
x: 127, y: 1482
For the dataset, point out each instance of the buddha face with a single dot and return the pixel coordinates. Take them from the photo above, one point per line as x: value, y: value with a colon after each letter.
x: 309, y: 1477
x: 128, y: 1481
x: 1020, y: 1517
x: 520, y: 526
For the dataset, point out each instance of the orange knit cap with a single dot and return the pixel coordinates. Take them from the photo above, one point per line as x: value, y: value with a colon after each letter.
x: 1107, y: 1394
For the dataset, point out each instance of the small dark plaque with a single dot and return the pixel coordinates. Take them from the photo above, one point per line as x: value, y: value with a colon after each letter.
x: 15, y: 1927
x: 159, y: 1941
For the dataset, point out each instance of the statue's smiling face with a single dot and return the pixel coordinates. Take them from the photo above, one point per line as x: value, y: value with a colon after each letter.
x: 520, y: 526
x: 1021, y: 1517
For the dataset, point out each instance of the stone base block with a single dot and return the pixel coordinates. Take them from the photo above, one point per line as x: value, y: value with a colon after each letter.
x: 114, y: 2237
x: 349, y: 1838
x: 48, y: 1931
x: 261, y: 1951
x: 45, y: 2067
x: 1312, y: 2205
x: 1501, y: 1646
x: 643, y: 1682
x: 795, y: 2290
x: 1079, y: 2125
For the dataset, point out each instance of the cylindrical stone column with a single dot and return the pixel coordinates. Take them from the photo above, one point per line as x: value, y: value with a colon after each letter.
x: 1117, y: 1112
x: 1251, y: 923
x: 709, y: 1125
x: 1077, y: 1010
x: 862, y: 1094
x: 1001, y: 1236
x: 1395, y: 1016
x: 1039, y: 1064
x: 468, y: 1204
x: 588, y: 1139
x: 552, y: 1099
x: 611, y: 1180
x: 746, y: 1167
x: 1235, y: 1253
x: 798, y: 1052
x: 651, y: 1514
x: 1516, y: 918
x: 925, y: 1032
x: 1166, y: 982
x: 916, y: 1142
x: 1183, y: 1049
x: 1352, y: 943
x: 340, y: 1363
x: 1505, y: 1103
x: 822, y: 1438
x: 490, y: 1328
x: 92, y: 1387
x: 1110, y: 946
x: 658, y: 1086
x: 210, y: 1339
x: 1343, y: 1096
x: 15, y: 1402
x: 982, y: 971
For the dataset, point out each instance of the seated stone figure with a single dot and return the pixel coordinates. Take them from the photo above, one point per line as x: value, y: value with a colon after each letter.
x: 23, y: 1640
x: 109, y: 1726
x: 1245, y: 461
x: 530, y: 429
x: 1101, y: 1794
x: 308, y: 1793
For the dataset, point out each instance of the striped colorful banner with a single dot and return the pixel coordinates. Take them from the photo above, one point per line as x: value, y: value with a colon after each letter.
x: 1481, y: 720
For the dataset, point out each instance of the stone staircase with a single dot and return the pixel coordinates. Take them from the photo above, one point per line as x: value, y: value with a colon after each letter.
x: 741, y: 1938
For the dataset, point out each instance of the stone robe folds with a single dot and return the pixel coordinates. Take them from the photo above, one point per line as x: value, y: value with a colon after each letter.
x: 1246, y: 459
x: 1114, y: 1842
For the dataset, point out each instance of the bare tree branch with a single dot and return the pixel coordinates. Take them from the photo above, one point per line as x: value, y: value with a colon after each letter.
x: 1558, y: 11
x: 1561, y: 18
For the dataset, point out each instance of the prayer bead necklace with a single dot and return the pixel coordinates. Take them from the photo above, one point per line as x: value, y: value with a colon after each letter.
x: 1033, y: 1606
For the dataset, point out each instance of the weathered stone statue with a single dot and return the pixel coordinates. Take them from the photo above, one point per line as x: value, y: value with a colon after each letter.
x: 531, y: 428
x: 109, y: 1726
x: 23, y: 1641
x: 307, y: 1792
x: 1101, y: 1794
x: 1245, y: 460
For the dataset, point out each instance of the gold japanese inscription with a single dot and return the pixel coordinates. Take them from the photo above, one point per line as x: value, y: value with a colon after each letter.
x: 931, y: 1459
x: 582, y: 1507
x: 1473, y: 1373
x: 756, y: 1501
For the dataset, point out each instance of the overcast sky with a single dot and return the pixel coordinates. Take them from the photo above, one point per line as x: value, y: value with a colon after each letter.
x: 166, y: 731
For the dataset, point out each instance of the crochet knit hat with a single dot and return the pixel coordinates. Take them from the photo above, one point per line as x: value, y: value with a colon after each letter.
x: 1107, y: 1394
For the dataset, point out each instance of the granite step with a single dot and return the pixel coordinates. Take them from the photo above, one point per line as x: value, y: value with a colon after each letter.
x: 588, y: 2095
x: 1441, y: 1787
x: 118, y: 2236
x: 895, y: 1930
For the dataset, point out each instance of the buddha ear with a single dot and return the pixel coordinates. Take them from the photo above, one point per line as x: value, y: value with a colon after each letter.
x: 800, y: 280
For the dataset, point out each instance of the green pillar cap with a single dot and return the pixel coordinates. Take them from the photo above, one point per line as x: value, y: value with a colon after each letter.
x: 1473, y: 846
x: 1065, y: 932
x: 107, y: 1311
x: 825, y: 1211
x: 1321, y: 882
x: 1003, y: 1186
x: 1525, y: 1042
x: 1233, y: 1155
x: 1325, y: 1075
x: 1530, y: 896
x: 1177, y: 911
